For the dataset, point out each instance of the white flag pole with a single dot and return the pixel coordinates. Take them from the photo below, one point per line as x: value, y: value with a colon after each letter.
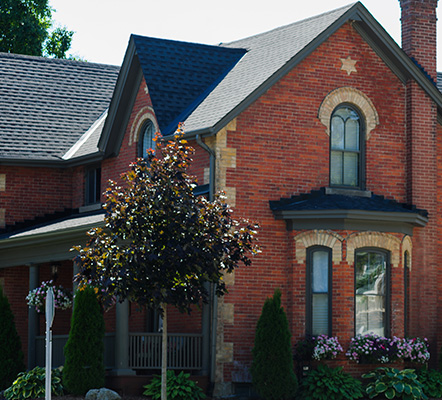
x: 49, y: 319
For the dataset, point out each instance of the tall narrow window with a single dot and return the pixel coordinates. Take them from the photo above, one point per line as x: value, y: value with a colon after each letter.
x: 371, y: 292
x: 406, y: 292
x: 93, y: 185
x: 146, y: 141
x: 345, y: 148
x: 319, y: 276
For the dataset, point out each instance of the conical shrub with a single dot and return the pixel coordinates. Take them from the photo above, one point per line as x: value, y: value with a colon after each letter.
x: 272, y: 368
x: 84, y: 366
x: 11, y: 355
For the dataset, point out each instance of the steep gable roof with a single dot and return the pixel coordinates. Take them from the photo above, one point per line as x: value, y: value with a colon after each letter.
x: 267, y: 53
x: 266, y: 58
x: 181, y: 74
x: 46, y: 105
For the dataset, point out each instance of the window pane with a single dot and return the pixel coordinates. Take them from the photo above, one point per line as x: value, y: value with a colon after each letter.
x: 320, y: 272
x: 337, y: 133
x: 371, y: 275
x: 351, y: 161
x: 352, y: 134
x: 320, y: 314
x: 148, y: 136
x: 370, y: 314
x: 336, y: 168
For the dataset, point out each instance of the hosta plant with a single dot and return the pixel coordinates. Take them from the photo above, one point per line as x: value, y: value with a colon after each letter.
x: 431, y: 381
x: 326, y: 383
x: 31, y: 385
x: 393, y: 383
x: 179, y: 387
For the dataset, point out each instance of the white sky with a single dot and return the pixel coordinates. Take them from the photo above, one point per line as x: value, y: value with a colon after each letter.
x: 102, y: 27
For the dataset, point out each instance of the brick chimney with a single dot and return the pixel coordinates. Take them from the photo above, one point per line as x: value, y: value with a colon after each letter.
x: 419, y: 32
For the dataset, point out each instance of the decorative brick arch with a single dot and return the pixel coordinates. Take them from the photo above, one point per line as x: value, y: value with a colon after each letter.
x: 407, y: 245
x: 352, y: 96
x: 374, y: 239
x: 146, y: 113
x: 318, y: 238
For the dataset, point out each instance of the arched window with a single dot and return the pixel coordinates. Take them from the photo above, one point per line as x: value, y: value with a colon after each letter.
x: 346, y: 164
x: 319, y: 291
x: 145, y: 141
x: 372, y: 292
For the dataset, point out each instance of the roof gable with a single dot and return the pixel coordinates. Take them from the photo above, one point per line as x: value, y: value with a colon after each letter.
x: 180, y: 74
x: 46, y: 105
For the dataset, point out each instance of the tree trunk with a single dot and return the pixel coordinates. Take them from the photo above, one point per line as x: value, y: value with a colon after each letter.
x: 164, y: 355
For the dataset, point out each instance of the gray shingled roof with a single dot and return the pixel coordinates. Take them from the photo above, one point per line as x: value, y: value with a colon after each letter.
x: 46, y: 105
x: 267, y: 54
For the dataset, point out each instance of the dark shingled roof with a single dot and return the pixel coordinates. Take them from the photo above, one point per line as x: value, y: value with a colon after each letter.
x: 46, y: 104
x: 319, y: 200
x: 180, y: 75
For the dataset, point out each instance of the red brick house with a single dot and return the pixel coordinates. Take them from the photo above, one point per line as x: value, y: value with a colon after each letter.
x: 324, y: 131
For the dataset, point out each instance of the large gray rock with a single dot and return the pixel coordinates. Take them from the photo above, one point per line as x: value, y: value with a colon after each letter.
x: 102, y: 394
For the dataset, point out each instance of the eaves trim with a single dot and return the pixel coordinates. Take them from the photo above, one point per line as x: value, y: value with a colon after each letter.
x: 352, y: 219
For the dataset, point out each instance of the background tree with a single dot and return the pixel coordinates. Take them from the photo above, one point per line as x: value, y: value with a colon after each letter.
x: 25, y: 28
x: 272, y: 367
x: 163, y: 243
x: 11, y: 355
x: 84, y: 365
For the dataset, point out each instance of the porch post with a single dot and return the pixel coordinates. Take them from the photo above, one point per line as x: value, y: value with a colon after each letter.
x: 205, y: 327
x: 32, y: 318
x: 122, y: 340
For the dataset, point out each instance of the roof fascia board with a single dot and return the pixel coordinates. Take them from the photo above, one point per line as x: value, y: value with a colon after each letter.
x: 379, y: 51
x: 86, y: 159
x: 126, y: 76
x: 411, y: 70
x: 374, y: 216
x: 52, y: 246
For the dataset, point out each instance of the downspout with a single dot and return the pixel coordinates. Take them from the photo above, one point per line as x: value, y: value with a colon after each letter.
x: 213, y: 295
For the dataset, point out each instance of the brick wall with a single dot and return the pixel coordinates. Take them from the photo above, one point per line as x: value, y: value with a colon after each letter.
x: 31, y: 192
x: 282, y: 149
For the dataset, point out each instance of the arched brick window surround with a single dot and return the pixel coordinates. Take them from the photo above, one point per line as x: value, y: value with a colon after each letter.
x: 352, y: 96
x: 318, y: 238
x: 146, y: 113
x: 379, y: 240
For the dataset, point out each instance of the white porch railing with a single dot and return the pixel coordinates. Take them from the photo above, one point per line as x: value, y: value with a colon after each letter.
x: 184, y: 351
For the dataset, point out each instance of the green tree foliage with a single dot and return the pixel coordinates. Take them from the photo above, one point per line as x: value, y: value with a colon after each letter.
x: 163, y: 243
x: 272, y: 367
x: 84, y: 365
x: 11, y: 355
x: 25, y: 28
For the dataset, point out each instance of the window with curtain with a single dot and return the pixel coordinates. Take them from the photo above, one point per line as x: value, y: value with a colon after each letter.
x: 371, y: 292
x: 319, y: 290
x: 345, y: 148
x: 146, y: 141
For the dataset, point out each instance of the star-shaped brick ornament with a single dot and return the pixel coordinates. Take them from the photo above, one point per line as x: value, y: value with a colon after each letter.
x: 348, y: 65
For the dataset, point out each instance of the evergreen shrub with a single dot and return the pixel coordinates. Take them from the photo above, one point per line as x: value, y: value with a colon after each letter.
x: 272, y: 367
x: 84, y: 365
x: 11, y: 355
